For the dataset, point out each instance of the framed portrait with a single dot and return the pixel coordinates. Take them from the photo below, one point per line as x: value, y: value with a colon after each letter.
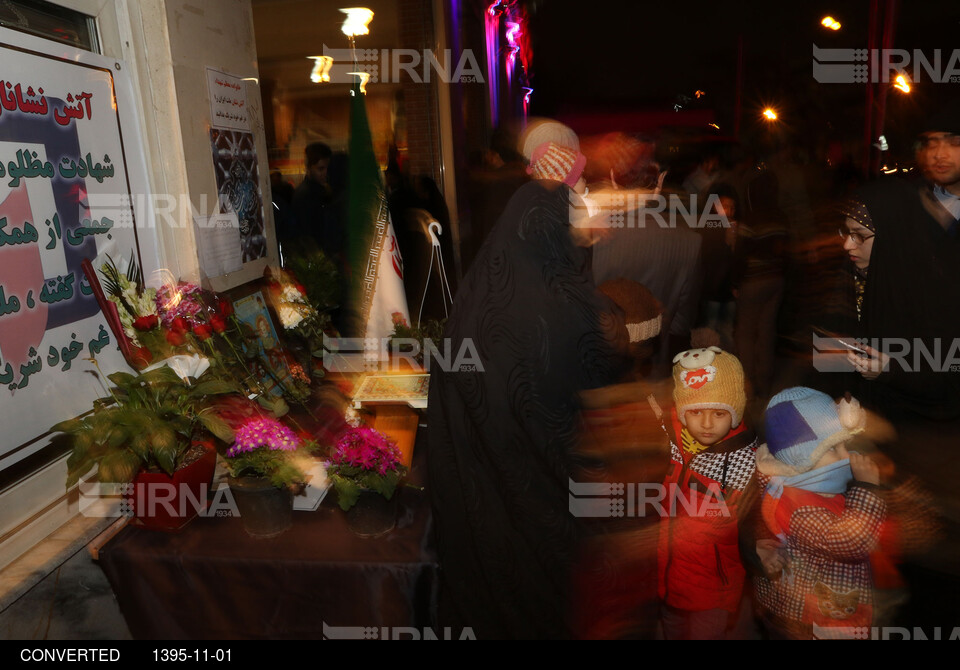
x: 253, y: 310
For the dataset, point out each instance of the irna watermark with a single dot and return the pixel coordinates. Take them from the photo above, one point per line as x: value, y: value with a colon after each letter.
x: 638, y: 209
x: 395, y: 354
x: 170, y: 210
x: 342, y: 66
x: 395, y: 633
x: 109, y: 500
x: 832, y: 354
x: 857, y: 66
x: 606, y: 500
x: 885, y: 633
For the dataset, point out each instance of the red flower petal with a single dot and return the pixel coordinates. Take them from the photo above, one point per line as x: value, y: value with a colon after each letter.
x: 202, y: 331
x: 148, y: 322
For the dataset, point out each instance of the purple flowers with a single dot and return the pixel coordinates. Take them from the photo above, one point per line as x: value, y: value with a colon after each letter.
x: 183, y: 300
x: 367, y: 449
x: 256, y: 433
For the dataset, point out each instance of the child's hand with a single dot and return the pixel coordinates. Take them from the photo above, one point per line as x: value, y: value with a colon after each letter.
x: 772, y: 558
x: 864, y: 469
x: 884, y: 465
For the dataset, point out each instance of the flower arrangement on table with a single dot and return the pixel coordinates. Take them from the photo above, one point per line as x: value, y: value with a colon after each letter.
x: 197, y: 321
x: 196, y: 365
x: 364, y: 459
x: 264, y: 447
x: 184, y: 320
x: 305, y: 319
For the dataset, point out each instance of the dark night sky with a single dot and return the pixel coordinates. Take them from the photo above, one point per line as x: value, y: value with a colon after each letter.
x: 615, y: 55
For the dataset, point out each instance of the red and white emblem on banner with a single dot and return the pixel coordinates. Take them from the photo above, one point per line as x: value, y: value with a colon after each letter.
x: 395, y: 256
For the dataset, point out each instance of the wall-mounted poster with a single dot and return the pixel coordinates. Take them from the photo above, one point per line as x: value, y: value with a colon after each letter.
x: 238, y: 186
x: 235, y: 160
x: 70, y: 164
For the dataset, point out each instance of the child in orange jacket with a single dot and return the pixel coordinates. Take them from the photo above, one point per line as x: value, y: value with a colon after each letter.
x: 701, y: 574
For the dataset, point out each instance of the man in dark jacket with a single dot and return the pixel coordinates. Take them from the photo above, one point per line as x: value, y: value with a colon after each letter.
x: 312, y: 204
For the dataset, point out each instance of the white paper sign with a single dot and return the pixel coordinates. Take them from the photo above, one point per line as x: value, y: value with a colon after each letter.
x: 219, y: 241
x: 228, y: 101
x: 315, y: 491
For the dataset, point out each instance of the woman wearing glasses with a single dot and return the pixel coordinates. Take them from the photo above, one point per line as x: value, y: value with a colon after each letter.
x: 857, y: 232
x: 903, y: 249
x: 904, y: 281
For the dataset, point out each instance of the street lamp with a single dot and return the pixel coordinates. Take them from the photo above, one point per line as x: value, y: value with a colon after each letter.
x: 321, y: 69
x: 357, y: 21
x: 830, y: 22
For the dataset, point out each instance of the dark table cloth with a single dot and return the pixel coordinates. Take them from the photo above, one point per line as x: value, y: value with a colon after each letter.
x: 212, y: 581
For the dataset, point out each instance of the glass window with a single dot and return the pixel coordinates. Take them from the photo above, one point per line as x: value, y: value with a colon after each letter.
x: 50, y: 21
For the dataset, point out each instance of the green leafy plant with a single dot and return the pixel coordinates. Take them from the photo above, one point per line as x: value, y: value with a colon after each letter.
x: 148, y: 422
x: 318, y: 277
x: 431, y: 329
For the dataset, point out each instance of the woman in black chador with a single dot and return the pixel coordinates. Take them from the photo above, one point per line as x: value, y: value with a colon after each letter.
x: 908, y: 297
x: 501, y: 436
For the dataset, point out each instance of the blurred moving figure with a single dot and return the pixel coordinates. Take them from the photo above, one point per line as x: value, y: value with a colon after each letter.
x: 717, y: 304
x: 314, y: 216
x: 623, y: 441
x: 653, y: 247
x: 825, y: 506
x: 503, y: 429
x: 910, y: 275
x: 493, y: 179
x: 759, y: 267
x: 701, y: 179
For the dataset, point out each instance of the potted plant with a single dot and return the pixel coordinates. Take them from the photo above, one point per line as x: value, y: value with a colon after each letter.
x: 365, y: 471
x: 267, y: 463
x: 154, y: 430
x: 403, y: 334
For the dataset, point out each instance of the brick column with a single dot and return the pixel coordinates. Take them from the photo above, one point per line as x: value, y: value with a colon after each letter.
x: 419, y: 102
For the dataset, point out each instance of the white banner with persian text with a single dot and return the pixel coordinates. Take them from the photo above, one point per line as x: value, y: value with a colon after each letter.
x: 70, y: 164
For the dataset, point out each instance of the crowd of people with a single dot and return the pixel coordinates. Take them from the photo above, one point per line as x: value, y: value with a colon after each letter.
x: 801, y: 491
x: 765, y: 413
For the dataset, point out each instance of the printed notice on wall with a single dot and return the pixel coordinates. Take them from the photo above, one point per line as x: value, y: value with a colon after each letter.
x: 228, y: 101
x: 219, y: 241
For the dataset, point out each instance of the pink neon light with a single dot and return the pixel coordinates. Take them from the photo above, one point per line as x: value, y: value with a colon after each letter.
x: 513, y: 29
x: 492, y: 30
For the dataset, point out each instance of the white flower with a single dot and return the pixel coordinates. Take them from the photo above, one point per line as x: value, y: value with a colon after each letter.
x: 185, y: 366
x: 352, y: 417
x: 291, y: 294
x: 289, y: 317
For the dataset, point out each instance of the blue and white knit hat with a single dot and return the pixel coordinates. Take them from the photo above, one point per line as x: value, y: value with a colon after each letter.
x: 801, y: 426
